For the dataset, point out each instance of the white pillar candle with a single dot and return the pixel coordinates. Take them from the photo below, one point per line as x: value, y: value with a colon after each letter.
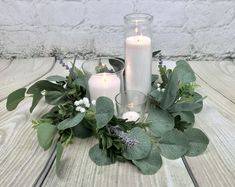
x: 131, y: 116
x: 138, y: 61
x: 104, y: 84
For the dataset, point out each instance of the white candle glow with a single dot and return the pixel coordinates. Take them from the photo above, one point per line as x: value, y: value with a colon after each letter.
x: 138, y: 59
x: 104, y: 84
x: 131, y: 116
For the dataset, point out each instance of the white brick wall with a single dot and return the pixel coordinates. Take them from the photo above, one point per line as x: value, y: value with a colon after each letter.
x: 193, y: 28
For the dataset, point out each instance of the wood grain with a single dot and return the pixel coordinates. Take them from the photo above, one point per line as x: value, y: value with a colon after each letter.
x: 218, y: 75
x: 216, y: 166
x: 21, y: 158
x: 22, y: 72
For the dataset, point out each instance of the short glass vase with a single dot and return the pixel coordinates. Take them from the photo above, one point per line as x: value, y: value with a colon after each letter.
x: 131, y: 105
x: 104, y: 77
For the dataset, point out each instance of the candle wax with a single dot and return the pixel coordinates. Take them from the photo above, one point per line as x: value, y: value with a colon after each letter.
x: 104, y: 84
x: 131, y: 116
x: 138, y: 63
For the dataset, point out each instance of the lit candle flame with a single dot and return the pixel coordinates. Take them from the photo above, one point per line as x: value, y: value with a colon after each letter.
x: 131, y: 105
x: 136, y: 30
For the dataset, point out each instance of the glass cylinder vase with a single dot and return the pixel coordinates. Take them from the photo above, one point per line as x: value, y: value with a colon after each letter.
x: 104, y: 77
x: 138, y: 52
x: 131, y: 105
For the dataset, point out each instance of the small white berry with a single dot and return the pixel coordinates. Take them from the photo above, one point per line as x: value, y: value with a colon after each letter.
x: 163, y: 89
x: 85, y: 100
x: 78, y: 108
x: 93, y: 102
x: 159, y: 89
x: 158, y: 85
x: 80, y: 102
x: 87, y: 105
x: 76, y: 103
x: 82, y: 110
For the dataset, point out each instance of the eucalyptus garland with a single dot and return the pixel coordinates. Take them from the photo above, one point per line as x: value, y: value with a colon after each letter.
x: 168, y: 130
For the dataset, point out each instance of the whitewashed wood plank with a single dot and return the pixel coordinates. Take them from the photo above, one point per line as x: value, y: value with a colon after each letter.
x: 21, y: 158
x: 78, y: 170
x: 218, y: 75
x: 22, y: 72
x: 216, y: 167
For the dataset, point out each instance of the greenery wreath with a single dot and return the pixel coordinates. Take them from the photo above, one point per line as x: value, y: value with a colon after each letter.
x: 167, y: 131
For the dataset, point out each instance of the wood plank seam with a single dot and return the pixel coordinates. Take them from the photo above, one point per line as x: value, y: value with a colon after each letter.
x: 45, y: 171
x: 35, y: 79
x: 215, y: 89
x: 7, y: 65
x: 190, y: 172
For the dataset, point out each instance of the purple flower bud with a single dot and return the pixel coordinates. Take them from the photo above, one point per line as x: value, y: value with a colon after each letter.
x: 67, y: 67
x: 123, y: 136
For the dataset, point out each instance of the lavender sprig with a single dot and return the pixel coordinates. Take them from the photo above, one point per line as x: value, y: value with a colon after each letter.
x: 64, y: 64
x: 123, y: 136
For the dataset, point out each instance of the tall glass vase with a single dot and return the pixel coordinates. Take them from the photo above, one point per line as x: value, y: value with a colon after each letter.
x: 138, y: 52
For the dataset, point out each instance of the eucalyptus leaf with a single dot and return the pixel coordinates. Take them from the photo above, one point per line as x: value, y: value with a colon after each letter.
x: 79, y: 74
x: 173, y: 144
x: 104, y: 111
x: 185, y: 106
x: 99, y: 156
x: 36, y: 98
x: 46, y: 133
x: 59, y: 151
x: 199, y: 100
x: 170, y: 93
x: 161, y: 121
x: 139, y: 150
x: 81, y: 130
x: 80, y: 82
x: 56, y: 78
x: 154, y: 78
x: 198, y: 141
x: 156, y: 95
x: 71, y: 122
x: 55, y: 97
x: 44, y: 85
x: 151, y: 164
x: 15, y: 98
x: 184, y: 72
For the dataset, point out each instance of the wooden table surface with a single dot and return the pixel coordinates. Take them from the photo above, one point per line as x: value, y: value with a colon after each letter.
x: 24, y: 163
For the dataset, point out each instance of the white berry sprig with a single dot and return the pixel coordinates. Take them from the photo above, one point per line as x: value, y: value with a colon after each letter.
x: 83, y: 104
x: 159, y: 88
